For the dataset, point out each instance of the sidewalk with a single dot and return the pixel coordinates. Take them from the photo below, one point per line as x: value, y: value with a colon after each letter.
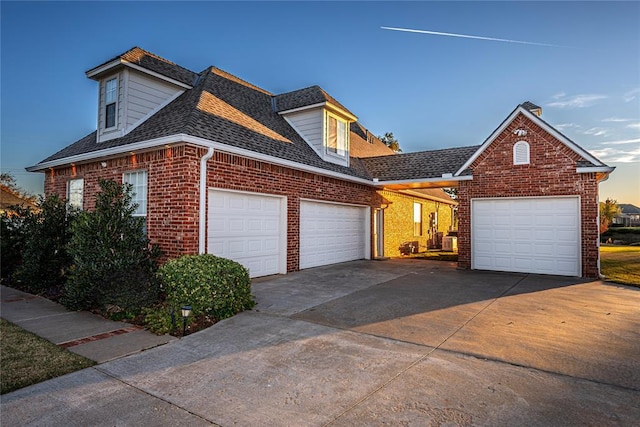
x: 84, y: 333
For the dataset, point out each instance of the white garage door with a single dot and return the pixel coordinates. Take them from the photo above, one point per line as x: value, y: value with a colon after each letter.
x: 530, y: 235
x: 247, y: 228
x: 331, y: 233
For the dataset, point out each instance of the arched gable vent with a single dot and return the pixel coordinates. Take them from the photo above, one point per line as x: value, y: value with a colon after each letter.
x: 521, y: 153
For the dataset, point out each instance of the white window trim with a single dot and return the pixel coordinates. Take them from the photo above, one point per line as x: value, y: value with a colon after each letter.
x: 115, y: 121
x: 146, y: 195
x: 327, y: 151
x: 417, y: 215
x: 69, y: 201
x: 517, y: 152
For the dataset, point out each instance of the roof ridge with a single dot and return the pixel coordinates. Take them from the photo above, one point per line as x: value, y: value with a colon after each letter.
x: 222, y: 73
x: 139, y: 50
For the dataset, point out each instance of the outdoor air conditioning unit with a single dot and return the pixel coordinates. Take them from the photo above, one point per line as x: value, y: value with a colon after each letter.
x: 450, y: 243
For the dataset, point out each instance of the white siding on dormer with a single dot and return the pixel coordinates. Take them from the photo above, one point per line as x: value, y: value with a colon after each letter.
x: 114, y: 132
x: 139, y: 97
x: 310, y: 125
x: 144, y: 95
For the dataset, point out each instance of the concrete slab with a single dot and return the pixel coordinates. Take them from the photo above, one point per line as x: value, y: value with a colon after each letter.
x: 258, y: 369
x: 452, y: 389
x: 70, y: 326
x: 17, y: 306
x: 291, y: 293
x: 90, y: 398
x: 586, y: 330
x: 420, y: 307
x: 122, y: 345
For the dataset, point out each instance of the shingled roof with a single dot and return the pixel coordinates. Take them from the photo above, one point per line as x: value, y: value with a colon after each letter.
x: 227, y: 110
x: 419, y: 165
x: 304, y: 98
x: 153, y: 63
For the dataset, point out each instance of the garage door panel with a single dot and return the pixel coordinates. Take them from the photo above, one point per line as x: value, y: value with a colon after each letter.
x: 331, y: 233
x: 537, y: 235
x: 246, y: 228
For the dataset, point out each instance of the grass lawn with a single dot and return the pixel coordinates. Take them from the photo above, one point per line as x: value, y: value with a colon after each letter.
x: 27, y: 359
x: 621, y: 264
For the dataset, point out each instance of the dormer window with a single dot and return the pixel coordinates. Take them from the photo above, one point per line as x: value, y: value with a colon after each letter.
x: 111, y: 98
x: 336, y: 134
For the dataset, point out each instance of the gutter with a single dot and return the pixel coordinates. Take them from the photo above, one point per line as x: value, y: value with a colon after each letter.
x: 202, y: 214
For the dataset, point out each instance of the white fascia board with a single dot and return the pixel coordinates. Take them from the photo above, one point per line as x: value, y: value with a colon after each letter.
x: 99, y: 70
x: 157, y: 75
x: 306, y: 107
x: 115, y: 63
x: 547, y: 128
x: 596, y: 169
x: 426, y: 180
x: 101, y: 154
x: 178, y: 138
x: 327, y: 105
x: 274, y: 160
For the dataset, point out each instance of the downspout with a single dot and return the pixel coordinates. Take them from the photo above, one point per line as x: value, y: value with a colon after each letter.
x: 202, y: 220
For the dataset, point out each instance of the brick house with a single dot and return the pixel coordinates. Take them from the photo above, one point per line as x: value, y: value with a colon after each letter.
x: 281, y: 182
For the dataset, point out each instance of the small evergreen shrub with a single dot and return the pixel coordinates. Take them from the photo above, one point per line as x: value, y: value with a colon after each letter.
x: 45, y: 260
x: 211, y: 285
x: 114, y: 266
x: 14, y: 229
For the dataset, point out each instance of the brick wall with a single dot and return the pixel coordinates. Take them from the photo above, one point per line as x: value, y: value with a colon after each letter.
x: 228, y: 171
x: 173, y: 178
x: 398, y: 220
x: 551, y: 172
x: 173, y: 191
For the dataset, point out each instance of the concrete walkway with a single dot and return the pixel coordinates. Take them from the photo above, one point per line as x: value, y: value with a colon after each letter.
x: 87, y: 334
x: 401, y: 342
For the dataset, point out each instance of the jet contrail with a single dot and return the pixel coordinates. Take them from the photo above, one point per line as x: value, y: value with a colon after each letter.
x: 466, y: 36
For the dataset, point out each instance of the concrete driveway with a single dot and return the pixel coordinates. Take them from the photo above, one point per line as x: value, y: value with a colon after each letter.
x: 400, y: 342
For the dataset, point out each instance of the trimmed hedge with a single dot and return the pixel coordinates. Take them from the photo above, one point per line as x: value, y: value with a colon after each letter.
x: 211, y: 285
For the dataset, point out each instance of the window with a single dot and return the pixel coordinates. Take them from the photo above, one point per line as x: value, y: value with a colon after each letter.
x: 417, y: 219
x: 138, y: 181
x: 110, y: 97
x: 521, y: 153
x: 336, y: 136
x: 75, y: 188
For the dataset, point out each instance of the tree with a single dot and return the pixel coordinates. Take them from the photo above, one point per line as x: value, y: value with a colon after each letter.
x: 114, y: 264
x: 608, y: 210
x: 8, y: 182
x: 390, y: 141
x: 45, y: 260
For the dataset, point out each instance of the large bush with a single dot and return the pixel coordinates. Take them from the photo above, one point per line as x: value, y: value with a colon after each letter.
x: 114, y: 265
x: 14, y: 229
x: 45, y: 261
x: 212, y: 285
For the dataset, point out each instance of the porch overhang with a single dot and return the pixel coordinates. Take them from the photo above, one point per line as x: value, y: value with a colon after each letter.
x: 413, y: 184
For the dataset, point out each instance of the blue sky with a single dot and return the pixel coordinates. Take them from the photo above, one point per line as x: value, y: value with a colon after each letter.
x: 431, y: 91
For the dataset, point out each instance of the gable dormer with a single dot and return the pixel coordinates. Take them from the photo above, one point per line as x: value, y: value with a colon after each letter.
x: 134, y: 86
x: 320, y: 120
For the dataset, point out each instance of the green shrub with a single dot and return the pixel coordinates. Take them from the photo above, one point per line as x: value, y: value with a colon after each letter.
x: 14, y: 229
x: 45, y: 260
x: 114, y: 265
x: 209, y: 284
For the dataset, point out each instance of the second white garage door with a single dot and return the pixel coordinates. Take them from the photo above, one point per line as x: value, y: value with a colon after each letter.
x: 529, y: 235
x: 331, y: 233
x: 248, y: 228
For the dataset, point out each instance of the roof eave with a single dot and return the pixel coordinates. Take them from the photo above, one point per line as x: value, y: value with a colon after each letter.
x: 185, y: 138
x: 327, y: 105
x: 98, y: 72
x: 408, y: 184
